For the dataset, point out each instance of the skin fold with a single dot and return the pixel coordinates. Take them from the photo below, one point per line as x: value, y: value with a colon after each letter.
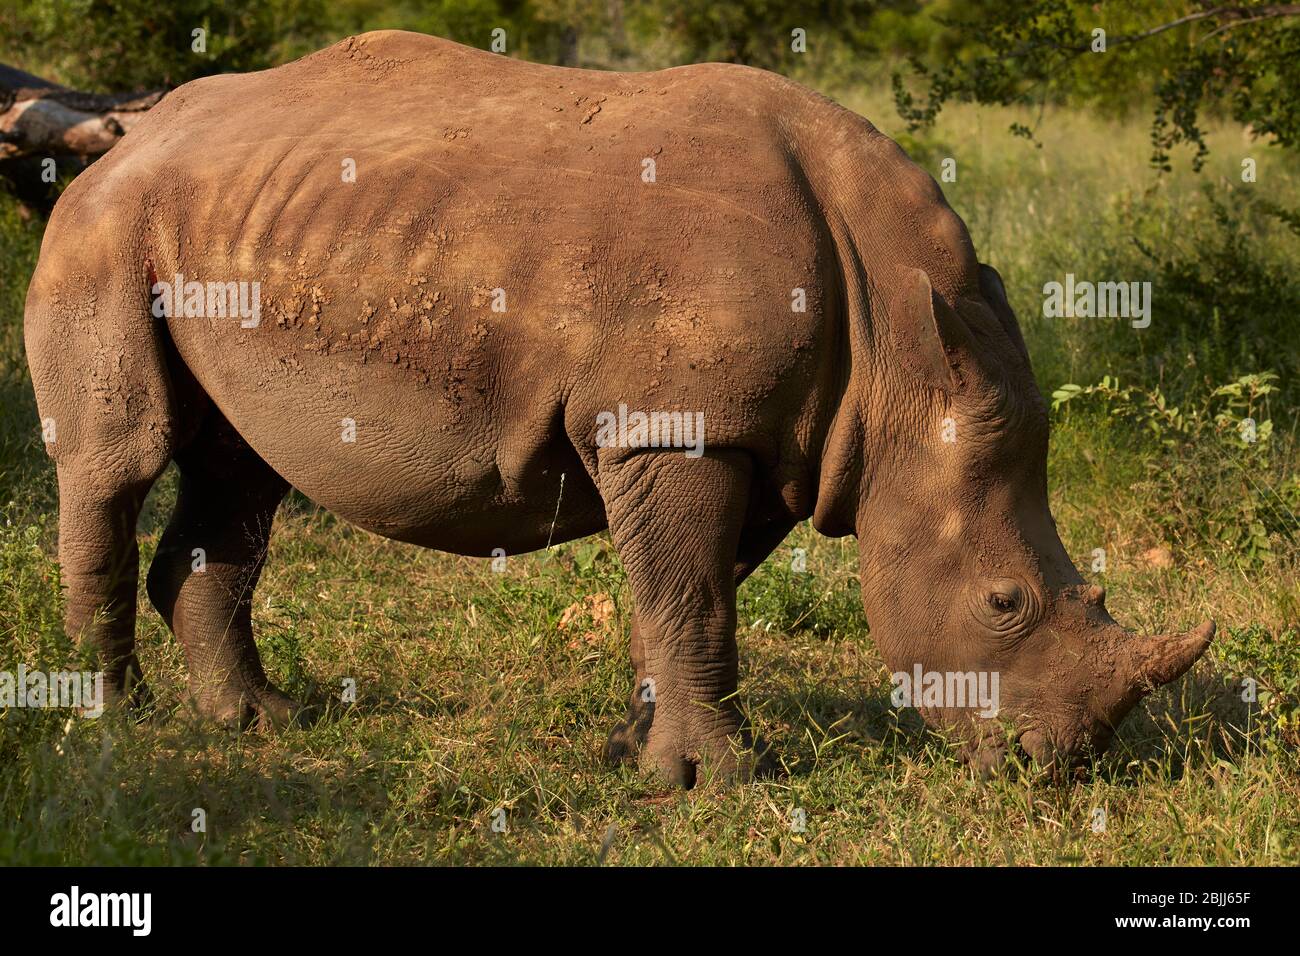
x: 519, y: 249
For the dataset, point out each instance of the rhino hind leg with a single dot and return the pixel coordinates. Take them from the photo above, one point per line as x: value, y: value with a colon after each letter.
x: 206, y: 568
x: 99, y: 564
x: 105, y: 397
x: 677, y: 525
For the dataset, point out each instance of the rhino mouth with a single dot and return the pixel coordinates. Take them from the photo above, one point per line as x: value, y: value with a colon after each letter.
x: 1032, y: 750
x: 993, y: 754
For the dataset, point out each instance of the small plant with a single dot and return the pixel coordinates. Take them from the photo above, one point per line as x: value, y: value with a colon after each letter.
x: 1268, y: 661
x: 825, y: 604
x: 1214, y: 469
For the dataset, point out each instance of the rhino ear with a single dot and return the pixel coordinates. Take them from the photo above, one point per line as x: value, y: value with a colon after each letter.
x: 929, y: 336
x: 995, y: 294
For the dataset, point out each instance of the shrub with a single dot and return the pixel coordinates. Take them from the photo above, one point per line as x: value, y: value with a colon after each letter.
x: 1214, y: 468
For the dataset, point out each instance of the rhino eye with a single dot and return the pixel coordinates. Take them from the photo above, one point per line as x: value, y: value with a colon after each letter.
x: 1005, y: 606
x: 1005, y: 600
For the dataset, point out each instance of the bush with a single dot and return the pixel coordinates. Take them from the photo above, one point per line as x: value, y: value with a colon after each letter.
x: 1217, y: 474
x: 25, y: 473
x: 140, y: 44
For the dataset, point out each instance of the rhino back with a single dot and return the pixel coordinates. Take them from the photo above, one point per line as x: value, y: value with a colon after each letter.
x: 482, y: 181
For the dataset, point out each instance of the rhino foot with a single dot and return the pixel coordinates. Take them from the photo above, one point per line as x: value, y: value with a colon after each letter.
x: 736, y: 758
x: 731, y: 760
x: 628, y: 737
x: 241, y: 706
x: 125, y: 688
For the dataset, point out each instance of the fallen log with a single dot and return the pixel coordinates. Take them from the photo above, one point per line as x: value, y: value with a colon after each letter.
x: 38, y: 117
x: 41, y: 120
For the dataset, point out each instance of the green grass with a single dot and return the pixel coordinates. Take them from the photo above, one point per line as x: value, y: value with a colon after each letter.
x: 471, y: 697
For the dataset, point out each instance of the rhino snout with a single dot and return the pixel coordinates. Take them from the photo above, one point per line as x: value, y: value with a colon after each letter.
x: 1145, y: 663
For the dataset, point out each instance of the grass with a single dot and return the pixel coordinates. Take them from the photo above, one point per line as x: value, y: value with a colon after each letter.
x: 472, y: 698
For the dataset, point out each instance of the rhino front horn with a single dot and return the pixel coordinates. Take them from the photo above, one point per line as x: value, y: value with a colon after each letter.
x: 1164, y: 657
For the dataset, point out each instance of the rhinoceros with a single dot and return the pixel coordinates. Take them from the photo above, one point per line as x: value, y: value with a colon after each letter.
x: 484, y: 306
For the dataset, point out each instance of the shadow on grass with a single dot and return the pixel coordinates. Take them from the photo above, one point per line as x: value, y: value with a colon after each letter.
x: 1200, y: 719
x: 114, y: 792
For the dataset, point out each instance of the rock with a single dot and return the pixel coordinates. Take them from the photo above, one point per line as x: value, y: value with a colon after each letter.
x: 1158, y: 557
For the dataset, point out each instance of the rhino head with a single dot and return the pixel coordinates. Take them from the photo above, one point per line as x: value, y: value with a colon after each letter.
x: 964, y: 578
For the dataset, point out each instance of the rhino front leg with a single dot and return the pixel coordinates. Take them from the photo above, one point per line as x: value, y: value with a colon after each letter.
x: 629, y: 735
x: 677, y: 525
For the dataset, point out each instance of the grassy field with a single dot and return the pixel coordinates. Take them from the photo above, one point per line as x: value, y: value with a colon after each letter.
x: 477, y: 692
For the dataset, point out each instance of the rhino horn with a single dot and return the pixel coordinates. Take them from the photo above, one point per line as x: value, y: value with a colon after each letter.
x: 1161, y: 658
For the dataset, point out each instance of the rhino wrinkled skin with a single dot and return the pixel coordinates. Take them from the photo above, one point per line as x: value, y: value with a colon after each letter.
x: 462, y: 260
